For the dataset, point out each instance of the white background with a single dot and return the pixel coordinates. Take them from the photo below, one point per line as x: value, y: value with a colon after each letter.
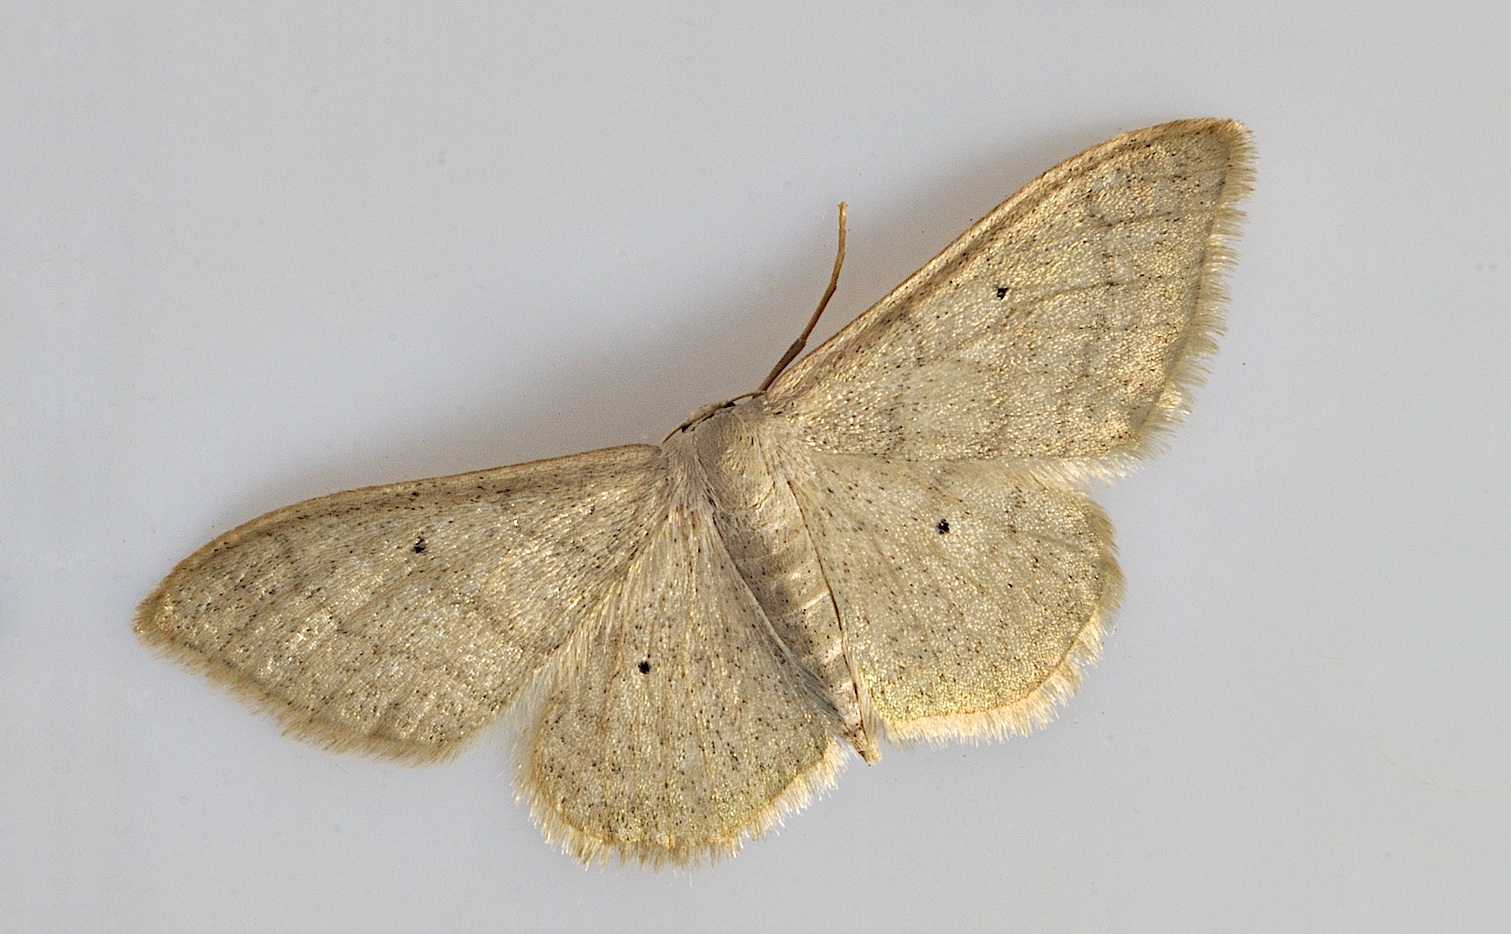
x: 259, y: 251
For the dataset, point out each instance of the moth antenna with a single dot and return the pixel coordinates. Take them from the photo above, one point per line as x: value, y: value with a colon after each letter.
x: 802, y: 339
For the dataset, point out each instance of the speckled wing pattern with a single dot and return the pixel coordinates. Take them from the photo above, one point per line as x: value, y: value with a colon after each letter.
x: 947, y: 429
x: 970, y: 594
x: 682, y: 726
x: 1061, y: 330
x: 889, y: 543
x: 399, y: 619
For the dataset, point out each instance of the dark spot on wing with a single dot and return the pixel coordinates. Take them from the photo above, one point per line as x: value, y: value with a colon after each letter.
x: 645, y: 667
x: 419, y: 545
x: 943, y: 526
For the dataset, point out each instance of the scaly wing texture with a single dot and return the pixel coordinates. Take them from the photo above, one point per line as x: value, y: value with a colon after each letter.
x: 925, y: 449
x: 398, y: 619
x: 761, y: 526
x: 680, y: 726
x: 970, y: 592
x: 1063, y: 328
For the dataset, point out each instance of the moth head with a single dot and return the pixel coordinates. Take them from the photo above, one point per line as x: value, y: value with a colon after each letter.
x: 705, y: 412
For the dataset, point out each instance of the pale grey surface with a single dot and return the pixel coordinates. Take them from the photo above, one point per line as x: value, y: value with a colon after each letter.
x: 254, y: 252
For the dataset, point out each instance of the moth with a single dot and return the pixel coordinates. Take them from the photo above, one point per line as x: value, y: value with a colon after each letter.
x: 890, y: 541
